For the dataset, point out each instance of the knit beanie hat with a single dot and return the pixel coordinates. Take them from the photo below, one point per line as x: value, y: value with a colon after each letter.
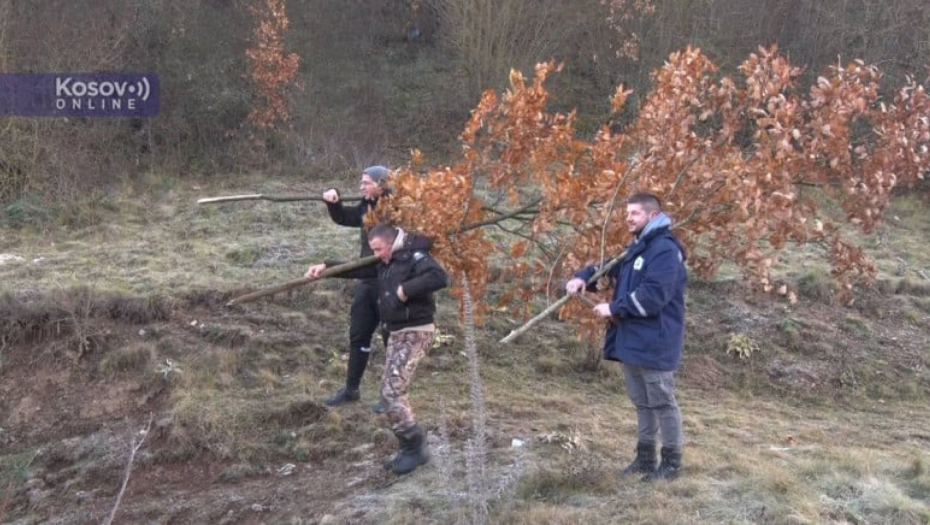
x: 377, y: 173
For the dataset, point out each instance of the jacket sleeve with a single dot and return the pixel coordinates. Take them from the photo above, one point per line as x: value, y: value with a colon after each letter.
x: 346, y: 215
x: 428, y: 277
x: 657, y: 286
x: 586, y: 273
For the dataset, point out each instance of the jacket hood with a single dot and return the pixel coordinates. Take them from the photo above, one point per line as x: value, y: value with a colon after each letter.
x: 659, y: 221
x: 413, y: 241
x: 658, y: 226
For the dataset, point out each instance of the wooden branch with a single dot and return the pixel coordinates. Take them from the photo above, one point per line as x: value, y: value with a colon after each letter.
x: 273, y: 198
x: 558, y: 304
x: 495, y: 220
x: 585, y: 299
x: 530, y: 211
x: 134, y: 447
x: 681, y: 175
x: 358, y: 263
x: 6, y: 498
x: 610, y: 209
x: 597, y: 275
x: 329, y: 272
x: 555, y: 264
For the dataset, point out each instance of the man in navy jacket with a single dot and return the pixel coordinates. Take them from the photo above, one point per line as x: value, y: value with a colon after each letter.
x: 647, y: 331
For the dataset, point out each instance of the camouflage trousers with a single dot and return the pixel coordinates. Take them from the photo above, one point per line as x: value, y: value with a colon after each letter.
x: 404, y: 351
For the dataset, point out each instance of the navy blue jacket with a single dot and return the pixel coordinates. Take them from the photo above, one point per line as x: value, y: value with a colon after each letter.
x: 648, y: 304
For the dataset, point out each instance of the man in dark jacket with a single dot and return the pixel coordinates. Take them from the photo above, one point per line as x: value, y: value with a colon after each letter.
x: 407, y: 276
x: 363, y: 314
x: 647, y: 331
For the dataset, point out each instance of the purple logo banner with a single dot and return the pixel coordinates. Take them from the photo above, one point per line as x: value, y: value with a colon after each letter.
x: 78, y: 95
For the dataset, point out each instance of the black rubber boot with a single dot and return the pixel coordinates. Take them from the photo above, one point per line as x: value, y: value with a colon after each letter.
x: 669, y: 467
x: 644, y: 462
x: 412, y: 451
x: 343, y: 395
x: 358, y: 362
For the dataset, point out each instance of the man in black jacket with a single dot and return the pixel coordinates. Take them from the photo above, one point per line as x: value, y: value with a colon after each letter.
x: 407, y: 276
x: 363, y: 314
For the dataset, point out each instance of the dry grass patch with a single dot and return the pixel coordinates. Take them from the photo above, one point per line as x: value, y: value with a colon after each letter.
x: 127, y: 360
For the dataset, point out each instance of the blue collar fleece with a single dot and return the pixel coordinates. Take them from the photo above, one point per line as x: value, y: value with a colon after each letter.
x: 659, y: 221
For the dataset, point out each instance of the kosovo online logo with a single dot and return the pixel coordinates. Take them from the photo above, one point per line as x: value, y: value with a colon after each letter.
x: 78, y: 95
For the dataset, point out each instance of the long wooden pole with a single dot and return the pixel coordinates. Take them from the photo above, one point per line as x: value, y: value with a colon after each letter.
x: 329, y: 272
x: 274, y: 198
x: 558, y: 304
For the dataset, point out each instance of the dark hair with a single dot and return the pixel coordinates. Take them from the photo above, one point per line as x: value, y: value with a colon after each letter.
x: 383, y: 231
x: 649, y: 201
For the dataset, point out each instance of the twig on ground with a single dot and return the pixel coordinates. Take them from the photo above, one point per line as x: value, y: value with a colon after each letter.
x: 8, y: 492
x: 134, y: 447
x: 6, y: 499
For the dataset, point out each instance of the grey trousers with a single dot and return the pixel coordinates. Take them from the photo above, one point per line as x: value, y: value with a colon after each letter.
x: 653, y: 394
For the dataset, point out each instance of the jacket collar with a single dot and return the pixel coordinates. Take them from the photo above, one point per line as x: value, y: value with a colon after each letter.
x: 399, y: 240
x: 660, y: 221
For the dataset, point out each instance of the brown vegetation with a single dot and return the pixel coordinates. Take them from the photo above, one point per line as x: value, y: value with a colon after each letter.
x: 369, y: 94
x: 748, y: 167
x: 114, y: 288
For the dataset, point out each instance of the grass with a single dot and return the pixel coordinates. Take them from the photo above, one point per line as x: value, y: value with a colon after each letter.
x: 241, y: 387
x: 208, y: 246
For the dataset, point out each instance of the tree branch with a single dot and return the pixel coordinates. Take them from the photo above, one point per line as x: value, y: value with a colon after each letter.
x: 134, y: 447
x: 610, y: 209
x: 681, y: 175
x: 495, y: 220
x: 558, y: 304
x: 274, y: 198
x: 367, y: 261
x: 329, y: 272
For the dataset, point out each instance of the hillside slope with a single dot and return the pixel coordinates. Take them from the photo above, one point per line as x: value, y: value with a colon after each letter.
x: 807, y: 413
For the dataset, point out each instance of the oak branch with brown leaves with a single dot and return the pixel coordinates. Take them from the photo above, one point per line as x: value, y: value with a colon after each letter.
x: 742, y: 164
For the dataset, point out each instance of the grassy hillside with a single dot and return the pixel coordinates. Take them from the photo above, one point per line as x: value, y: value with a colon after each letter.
x: 114, y: 315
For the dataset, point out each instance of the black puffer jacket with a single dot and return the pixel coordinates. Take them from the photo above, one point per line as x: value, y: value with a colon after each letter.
x: 412, y: 267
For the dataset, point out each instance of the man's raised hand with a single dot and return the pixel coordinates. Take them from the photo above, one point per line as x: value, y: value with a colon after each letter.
x: 331, y: 196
